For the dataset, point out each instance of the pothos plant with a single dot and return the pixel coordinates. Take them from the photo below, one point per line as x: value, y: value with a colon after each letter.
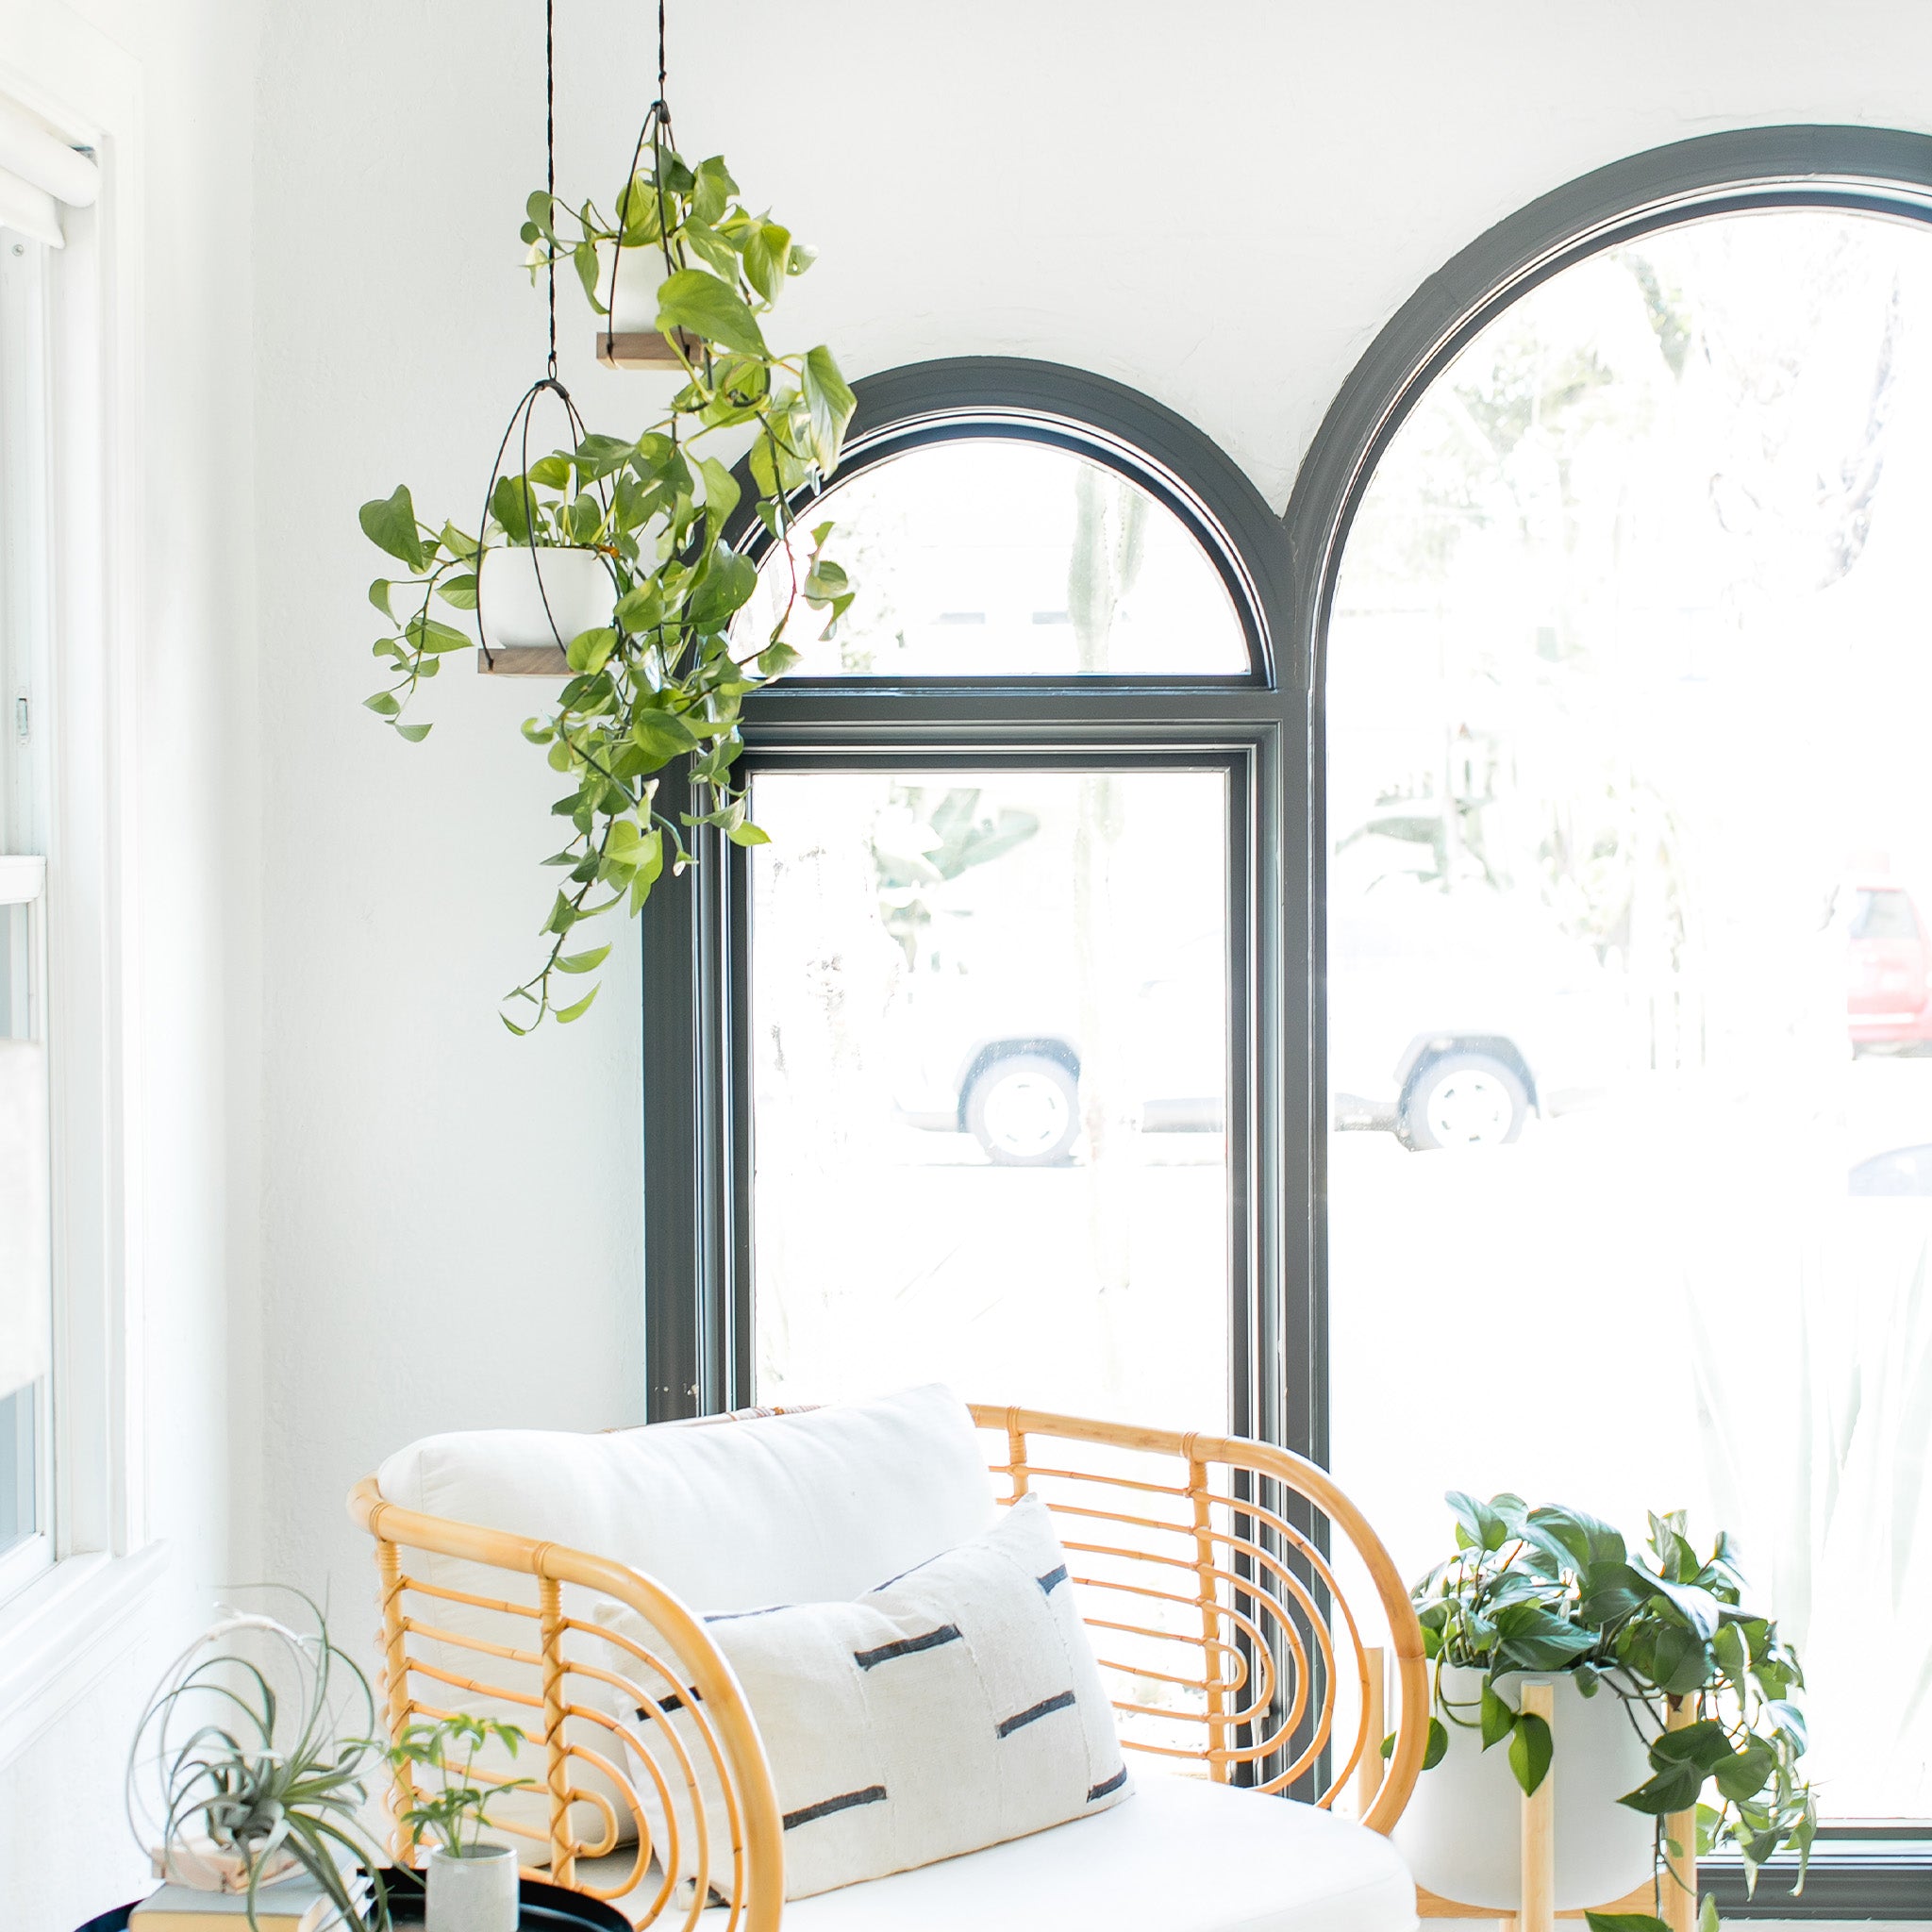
x: 665, y: 681
x: 1553, y: 1590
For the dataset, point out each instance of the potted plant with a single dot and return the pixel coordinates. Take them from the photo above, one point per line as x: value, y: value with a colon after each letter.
x: 250, y: 1765
x: 659, y: 677
x: 1555, y: 1592
x: 471, y: 1886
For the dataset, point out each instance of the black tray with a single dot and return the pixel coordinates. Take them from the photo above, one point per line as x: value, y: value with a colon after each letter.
x: 545, y: 1908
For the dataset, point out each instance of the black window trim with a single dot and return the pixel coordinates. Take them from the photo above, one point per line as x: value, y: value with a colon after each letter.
x: 1863, y: 1871
x: 1286, y: 576
x: 696, y: 1059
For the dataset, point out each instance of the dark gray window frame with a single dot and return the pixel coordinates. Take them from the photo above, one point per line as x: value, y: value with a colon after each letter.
x: 696, y: 1060
x: 696, y: 1235
x: 1878, y: 1873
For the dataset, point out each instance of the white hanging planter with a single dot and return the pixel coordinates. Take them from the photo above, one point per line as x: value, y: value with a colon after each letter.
x: 541, y: 599
x: 1461, y: 1831
x: 628, y: 337
x: 476, y: 1892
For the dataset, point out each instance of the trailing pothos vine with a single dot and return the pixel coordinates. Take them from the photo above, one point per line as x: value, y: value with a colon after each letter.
x: 1556, y: 1589
x: 665, y: 681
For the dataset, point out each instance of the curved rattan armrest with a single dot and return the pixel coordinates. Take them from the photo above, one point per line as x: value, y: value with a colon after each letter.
x: 1319, y: 1489
x: 758, y: 1854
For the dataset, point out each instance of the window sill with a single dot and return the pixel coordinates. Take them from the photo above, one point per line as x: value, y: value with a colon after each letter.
x: 62, y: 1631
x: 1882, y: 1877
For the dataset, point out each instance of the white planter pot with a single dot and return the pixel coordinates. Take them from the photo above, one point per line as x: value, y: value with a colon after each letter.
x: 641, y: 272
x: 576, y: 594
x: 476, y: 1892
x: 1461, y: 1833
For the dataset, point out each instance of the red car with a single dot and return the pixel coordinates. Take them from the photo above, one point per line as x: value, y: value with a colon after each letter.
x: 1891, y: 1002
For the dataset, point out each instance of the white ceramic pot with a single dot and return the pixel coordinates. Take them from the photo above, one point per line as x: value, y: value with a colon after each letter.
x: 1462, y: 1832
x: 577, y: 594
x: 641, y: 272
x: 476, y: 1892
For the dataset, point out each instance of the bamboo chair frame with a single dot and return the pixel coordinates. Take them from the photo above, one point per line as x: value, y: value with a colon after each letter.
x: 1214, y: 1606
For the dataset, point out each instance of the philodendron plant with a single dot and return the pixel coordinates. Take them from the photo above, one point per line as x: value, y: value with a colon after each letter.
x: 1555, y: 1590
x: 663, y: 681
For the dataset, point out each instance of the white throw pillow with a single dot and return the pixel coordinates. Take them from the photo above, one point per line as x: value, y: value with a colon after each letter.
x: 951, y: 1707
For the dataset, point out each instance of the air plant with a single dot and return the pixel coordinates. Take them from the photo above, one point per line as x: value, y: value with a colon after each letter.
x: 242, y: 1768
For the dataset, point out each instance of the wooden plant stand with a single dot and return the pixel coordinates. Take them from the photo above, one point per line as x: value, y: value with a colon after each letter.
x: 1674, y: 1901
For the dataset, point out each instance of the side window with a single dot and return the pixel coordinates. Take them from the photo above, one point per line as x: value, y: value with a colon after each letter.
x: 26, y: 1277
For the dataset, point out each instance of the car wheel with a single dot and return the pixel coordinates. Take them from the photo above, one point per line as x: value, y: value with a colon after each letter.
x: 1025, y: 1110
x: 1464, y: 1100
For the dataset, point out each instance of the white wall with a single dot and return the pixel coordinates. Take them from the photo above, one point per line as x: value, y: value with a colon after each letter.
x: 64, y: 1848
x: 1218, y: 204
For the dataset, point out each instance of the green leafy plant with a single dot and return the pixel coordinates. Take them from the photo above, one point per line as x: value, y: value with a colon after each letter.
x: 461, y: 1800
x: 665, y: 682
x: 1556, y: 1589
x: 240, y: 1771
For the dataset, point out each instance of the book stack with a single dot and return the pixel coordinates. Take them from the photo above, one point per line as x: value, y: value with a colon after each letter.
x: 290, y: 1905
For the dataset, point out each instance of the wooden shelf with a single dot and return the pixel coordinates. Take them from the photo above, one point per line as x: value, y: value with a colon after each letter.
x: 646, y: 349
x: 533, y: 660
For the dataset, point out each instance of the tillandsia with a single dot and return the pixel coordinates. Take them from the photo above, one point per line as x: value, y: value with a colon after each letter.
x: 241, y: 1771
x: 1556, y: 1589
x: 663, y: 682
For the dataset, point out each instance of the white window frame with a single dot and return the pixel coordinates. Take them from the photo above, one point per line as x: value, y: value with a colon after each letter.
x: 62, y: 1630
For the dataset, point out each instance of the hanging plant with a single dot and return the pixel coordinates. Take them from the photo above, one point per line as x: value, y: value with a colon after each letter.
x: 612, y: 548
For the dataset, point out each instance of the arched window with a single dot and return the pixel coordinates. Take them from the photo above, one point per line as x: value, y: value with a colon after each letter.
x: 984, y: 556
x: 1618, y: 576
x: 978, y: 1034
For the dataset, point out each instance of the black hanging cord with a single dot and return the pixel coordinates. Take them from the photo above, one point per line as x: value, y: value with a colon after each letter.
x: 550, y: 156
x: 658, y: 132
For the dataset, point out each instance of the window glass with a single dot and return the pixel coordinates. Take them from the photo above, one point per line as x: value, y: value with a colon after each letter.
x: 1005, y: 558
x: 26, y: 1281
x: 989, y: 1018
x: 1630, y: 1002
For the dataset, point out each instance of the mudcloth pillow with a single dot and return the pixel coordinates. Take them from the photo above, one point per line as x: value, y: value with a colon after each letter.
x: 951, y: 1707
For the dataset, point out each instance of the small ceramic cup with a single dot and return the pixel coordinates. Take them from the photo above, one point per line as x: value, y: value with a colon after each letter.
x: 476, y: 1892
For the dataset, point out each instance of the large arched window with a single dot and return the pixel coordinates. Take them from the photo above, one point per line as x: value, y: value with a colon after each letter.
x: 1620, y: 587
x: 986, y: 1034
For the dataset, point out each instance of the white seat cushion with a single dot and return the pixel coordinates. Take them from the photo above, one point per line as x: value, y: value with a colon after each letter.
x: 1180, y: 1856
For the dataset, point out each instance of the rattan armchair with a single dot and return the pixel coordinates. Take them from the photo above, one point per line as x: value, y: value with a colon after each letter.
x: 1211, y: 1571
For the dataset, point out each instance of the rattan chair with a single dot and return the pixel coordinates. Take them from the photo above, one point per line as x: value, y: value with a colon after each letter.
x: 1213, y: 1572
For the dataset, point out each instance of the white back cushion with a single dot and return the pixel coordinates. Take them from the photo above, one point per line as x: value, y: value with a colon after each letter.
x: 727, y: 1515
x: 730, y: 1516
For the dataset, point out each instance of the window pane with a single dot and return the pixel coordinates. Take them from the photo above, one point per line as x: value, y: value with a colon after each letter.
x: 990, y: 1026
x: 1630, y: 988
x: 989, y: 559
x: 26, y: 1282
x: 25, y: 1290
x: 17, y: 1468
